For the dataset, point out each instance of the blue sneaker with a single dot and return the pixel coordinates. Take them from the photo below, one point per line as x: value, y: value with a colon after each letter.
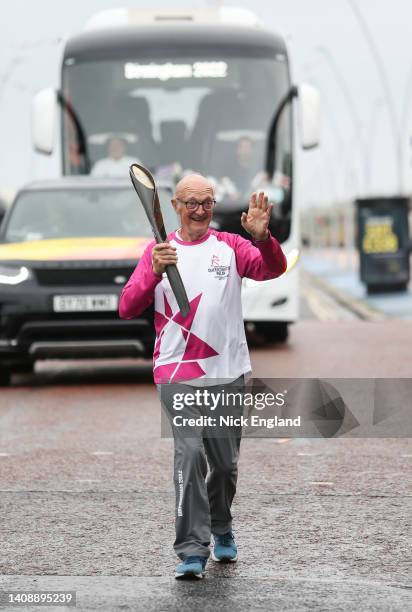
x: 224, y: 547
x: 192, y: 567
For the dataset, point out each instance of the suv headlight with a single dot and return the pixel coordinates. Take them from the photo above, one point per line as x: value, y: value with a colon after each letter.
x: 14, y: 275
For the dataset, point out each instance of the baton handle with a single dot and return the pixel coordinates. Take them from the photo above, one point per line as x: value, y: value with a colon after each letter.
x: 178, y: 288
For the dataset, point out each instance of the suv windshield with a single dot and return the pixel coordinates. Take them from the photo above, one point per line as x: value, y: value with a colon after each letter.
x: 76, y: 213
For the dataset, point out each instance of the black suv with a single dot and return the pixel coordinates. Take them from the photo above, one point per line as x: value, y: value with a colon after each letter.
x: 67, y: 247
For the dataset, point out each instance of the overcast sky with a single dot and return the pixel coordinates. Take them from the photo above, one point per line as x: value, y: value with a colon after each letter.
x: 327, y: 48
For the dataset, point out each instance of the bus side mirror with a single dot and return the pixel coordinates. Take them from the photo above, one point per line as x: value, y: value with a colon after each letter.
x: 44, y: 118
x: 308, y: 115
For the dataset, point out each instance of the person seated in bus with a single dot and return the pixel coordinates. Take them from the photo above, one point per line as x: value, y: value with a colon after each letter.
x: 117, y: 161
x: 240, y: 168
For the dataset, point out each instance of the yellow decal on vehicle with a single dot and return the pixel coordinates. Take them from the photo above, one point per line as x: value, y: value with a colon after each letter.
x: 75, y: 249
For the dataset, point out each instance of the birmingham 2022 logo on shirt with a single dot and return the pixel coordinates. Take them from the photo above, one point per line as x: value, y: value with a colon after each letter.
x: 220, y: 271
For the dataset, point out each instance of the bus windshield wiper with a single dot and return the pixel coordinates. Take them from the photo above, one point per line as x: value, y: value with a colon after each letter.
x: 80, y: 133
x: 272, y: 133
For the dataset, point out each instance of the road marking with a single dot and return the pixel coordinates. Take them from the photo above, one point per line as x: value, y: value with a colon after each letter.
x: 86, y: 480
x: 4, y: 454
x: 282, y: 440
x: 356, y: 308
x: 316, y: 306
x: 306, y: 454
x: 102, y: 453
x: 326, y: 484
x: 406, y: 455
x: 323, y: 306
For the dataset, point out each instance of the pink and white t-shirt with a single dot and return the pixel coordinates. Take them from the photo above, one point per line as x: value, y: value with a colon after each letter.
x: 210, y: 342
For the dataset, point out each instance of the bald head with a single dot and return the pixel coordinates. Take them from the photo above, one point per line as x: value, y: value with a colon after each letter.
x: 195, y: 222
x: 194, y: 185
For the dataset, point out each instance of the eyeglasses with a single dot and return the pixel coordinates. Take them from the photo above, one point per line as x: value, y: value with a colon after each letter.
x: 194, y: 204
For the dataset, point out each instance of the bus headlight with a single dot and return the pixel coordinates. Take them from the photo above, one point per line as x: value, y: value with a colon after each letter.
x: 292, y: 258
x: 14, y: 275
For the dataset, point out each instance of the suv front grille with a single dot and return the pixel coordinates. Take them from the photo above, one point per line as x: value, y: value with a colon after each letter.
x: 82, y: 276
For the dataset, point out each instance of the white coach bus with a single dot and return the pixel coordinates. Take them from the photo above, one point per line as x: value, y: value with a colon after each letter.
x: 208, y: 91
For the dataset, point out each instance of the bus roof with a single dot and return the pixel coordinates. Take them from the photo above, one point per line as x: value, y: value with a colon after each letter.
x: 153, y: 40
x: 145, y: 15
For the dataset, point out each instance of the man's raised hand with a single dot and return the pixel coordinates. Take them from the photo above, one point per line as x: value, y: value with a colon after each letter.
x: 256, y: 220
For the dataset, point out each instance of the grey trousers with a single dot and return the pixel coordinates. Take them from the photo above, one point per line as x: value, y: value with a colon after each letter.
x: 203, y: 500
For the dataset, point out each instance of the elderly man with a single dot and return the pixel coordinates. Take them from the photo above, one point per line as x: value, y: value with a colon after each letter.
x: 207, y: 346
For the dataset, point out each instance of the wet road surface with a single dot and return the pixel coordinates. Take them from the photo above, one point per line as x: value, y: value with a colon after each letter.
x: 87, y: 497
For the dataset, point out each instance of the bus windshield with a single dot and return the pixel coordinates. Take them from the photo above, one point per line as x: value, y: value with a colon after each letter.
x: 209, y: 114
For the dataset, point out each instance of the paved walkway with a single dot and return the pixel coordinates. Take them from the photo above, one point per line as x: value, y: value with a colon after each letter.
x: 339, y: 268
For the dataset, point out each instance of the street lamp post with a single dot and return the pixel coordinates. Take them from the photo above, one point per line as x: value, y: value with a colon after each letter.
x: 386, y: 90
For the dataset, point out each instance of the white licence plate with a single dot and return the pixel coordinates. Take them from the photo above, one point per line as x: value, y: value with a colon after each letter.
x: 84, y: 303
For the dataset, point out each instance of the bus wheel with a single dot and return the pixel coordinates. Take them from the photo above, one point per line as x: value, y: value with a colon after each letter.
x: 272, y: 331
x: 5, y: 376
